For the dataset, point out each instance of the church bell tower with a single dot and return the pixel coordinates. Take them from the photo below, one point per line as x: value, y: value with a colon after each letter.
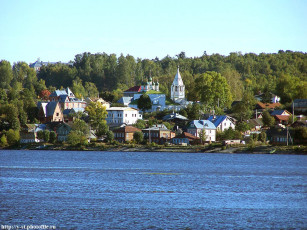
x: 178, y: 88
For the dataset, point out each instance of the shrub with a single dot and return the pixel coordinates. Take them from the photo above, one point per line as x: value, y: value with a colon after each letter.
x: 12, y: 136
x: 110, y: 136
x: 138, y: 137
x: 52, y: 137
x: 76, y: 138
x: 46, y: 135
x: 3, y: 141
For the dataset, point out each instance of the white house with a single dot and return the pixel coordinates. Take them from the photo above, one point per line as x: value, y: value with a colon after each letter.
x: 222, y: 122
x: 122, y: 115
x: 196, y: 127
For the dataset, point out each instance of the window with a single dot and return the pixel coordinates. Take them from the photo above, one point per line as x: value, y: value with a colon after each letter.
x: 57, y: 114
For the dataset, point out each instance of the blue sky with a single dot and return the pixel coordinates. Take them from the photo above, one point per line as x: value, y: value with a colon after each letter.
x: 58, y: 30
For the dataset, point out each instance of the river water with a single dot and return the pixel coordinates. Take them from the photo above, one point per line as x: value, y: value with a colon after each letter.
x: 139, y: 190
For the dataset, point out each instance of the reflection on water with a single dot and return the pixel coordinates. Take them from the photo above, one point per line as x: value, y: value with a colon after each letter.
x: 110, y: 190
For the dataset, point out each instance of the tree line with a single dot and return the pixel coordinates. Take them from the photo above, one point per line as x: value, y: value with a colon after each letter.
x: 283, y: 73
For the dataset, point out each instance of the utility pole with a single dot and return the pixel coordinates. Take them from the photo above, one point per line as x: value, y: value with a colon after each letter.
x: 287, y: 137
x: 292, y: 112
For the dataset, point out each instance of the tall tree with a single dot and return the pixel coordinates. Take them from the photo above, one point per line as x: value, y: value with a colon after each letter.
x: 6, y: 74
x: 144, y: 103
x: 97, y: 115
x: 213, y: 89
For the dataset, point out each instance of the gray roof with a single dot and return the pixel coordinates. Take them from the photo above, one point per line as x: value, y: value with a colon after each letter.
x: 174, y: 116
x: 50, y: 108
x: 202, y: 124
x: 157, y: 127
x: 125, y: 100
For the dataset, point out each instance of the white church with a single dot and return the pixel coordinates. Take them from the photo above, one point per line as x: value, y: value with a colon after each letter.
x: 158, y: 99
x: 178, y: 89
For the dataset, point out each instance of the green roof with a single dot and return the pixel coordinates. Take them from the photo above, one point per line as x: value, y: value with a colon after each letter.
x: 153, y: 92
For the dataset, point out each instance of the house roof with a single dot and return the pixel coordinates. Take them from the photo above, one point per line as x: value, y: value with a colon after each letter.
x: 202, y: 124
x: 63, y: 98
x: 261, y: 105
x: 58, y: 93
x: 134, y: 89
x: 43, y: 105
x: 282, y: 117
x: 161, y: 127
x: 50, y: 107
x: 279, y: 112
x: 40, y: 127
x: 125, y: 100
x: 300, y: 103
x: 187, y: 135
x: 127, y: 129
x: 255, y: 122
x: 173, y: 116
x: 216, y: 120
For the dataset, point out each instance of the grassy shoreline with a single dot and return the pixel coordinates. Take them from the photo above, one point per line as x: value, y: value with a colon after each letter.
x: 215, y: 148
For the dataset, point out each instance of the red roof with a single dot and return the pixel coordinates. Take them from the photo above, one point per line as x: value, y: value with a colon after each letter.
x: 268, y: 105
x: 282, y: 117
x: 134, y: 89
x: 127, y: 129
x: 188, y: 135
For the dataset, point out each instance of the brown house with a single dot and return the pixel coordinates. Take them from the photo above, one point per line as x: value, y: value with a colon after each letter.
x: 50, y: 112
x: 125, y: 134
x: 158, y: 134
x: 186, y: 138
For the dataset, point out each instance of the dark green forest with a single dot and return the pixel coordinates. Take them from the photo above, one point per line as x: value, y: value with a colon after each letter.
x: 283, y: 73
x: 206, y: 78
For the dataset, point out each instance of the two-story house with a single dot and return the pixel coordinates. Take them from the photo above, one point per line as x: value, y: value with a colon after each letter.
x: 199, y: 127
x: 50, y: 112
x: 62, y: 132
x: 222, y: 122
x: 124, y: 134
x: 158, y: 134
x: 122, y: 115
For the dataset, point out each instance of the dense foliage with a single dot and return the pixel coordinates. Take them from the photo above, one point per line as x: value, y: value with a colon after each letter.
x: 283, y: 73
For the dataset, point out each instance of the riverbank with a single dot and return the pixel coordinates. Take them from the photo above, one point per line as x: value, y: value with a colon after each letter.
x: 213, y: 148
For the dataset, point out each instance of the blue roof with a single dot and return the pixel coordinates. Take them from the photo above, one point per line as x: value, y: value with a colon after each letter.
x: 66, y: 111
x: 62, y: 98
x: 57, y: 93
x: 216, y: 120
x: 202, y: 124
x: 125, y: 100
x: 277, y: 112
x: 40, y: 127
